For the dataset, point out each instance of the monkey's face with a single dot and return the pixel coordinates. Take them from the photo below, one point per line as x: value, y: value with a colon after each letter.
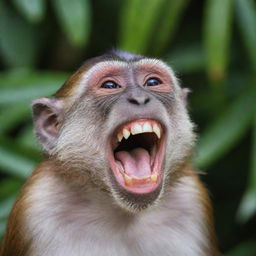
x: 125, y: 124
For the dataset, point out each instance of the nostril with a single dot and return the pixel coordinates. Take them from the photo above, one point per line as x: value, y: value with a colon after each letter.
x: 139, y: 100
x: 133, y: 101
x: 146, y: 100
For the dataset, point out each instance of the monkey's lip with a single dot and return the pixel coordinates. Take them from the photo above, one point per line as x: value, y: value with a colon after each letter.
x: 136, y: 155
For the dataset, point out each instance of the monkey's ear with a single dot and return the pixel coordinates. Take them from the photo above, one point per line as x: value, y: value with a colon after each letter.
x: 185, y: 92
x: 47, y: 117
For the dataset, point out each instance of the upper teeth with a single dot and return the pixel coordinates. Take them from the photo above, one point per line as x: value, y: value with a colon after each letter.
x: 156, y: 130
x: 126, y: 133
x: 137, y: 128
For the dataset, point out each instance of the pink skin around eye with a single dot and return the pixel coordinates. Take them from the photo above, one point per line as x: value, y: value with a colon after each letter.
x: 103, y: 75
x: 147, y: 71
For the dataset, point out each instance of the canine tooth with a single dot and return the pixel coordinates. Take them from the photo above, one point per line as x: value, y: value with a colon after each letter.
x: 119, y: 136
x: 127, y: 179
x: 126, y: 133
x: 157, y: 131
x: 154, y: 177
x: 147, y: 127
x: 136, y: 128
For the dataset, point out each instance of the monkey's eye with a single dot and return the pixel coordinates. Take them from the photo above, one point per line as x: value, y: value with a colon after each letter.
x: 152, y: 82
x: 110, y: 85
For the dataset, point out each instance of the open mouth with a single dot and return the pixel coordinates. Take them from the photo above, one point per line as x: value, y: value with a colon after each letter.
x: 136, y: 155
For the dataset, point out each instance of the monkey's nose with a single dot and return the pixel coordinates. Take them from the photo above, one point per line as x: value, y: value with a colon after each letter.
x: 139, y: 100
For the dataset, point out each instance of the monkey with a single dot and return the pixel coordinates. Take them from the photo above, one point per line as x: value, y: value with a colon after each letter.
x: 117, y: 178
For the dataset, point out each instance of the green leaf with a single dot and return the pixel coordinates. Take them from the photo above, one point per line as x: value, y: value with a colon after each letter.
x: 25, y: 94
x: 137, y: 19
x: 14, y: 115
x: 223, y: 133
x: 15, y: 164
x: 217, y: 34
x: 188, y: 59
x: 27, y: 138
x: 19, y: 78
x: 128, y: 16
x: 2, y: 227
x: 74, y: 18
x: 243, y: 249
x: 23, y: 87
x: 6, y: 206
x: 170, y: 18
x: 18, y: 42
x: 9, y: 186
x: 247, y: 206
x: 33, y: 11
x: 246, y: 10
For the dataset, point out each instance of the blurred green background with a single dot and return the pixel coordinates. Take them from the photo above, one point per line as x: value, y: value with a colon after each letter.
x: 211, y: 44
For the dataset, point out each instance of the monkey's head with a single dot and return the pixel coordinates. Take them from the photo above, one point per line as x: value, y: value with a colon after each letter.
x: 121, y: 120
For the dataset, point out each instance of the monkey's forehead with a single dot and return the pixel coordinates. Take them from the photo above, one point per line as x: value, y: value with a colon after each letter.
x: 147, y: 63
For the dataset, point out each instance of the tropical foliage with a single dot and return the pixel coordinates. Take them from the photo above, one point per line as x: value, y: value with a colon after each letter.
x: 210, y: 43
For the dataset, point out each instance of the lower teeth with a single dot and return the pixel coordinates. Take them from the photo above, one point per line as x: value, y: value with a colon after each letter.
x: 130, y: 180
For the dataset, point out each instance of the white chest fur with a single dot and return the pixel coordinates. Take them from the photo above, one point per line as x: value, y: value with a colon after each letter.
x: 64, y: 225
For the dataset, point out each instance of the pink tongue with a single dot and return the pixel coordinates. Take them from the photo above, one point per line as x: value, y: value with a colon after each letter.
x: 135, y: 162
